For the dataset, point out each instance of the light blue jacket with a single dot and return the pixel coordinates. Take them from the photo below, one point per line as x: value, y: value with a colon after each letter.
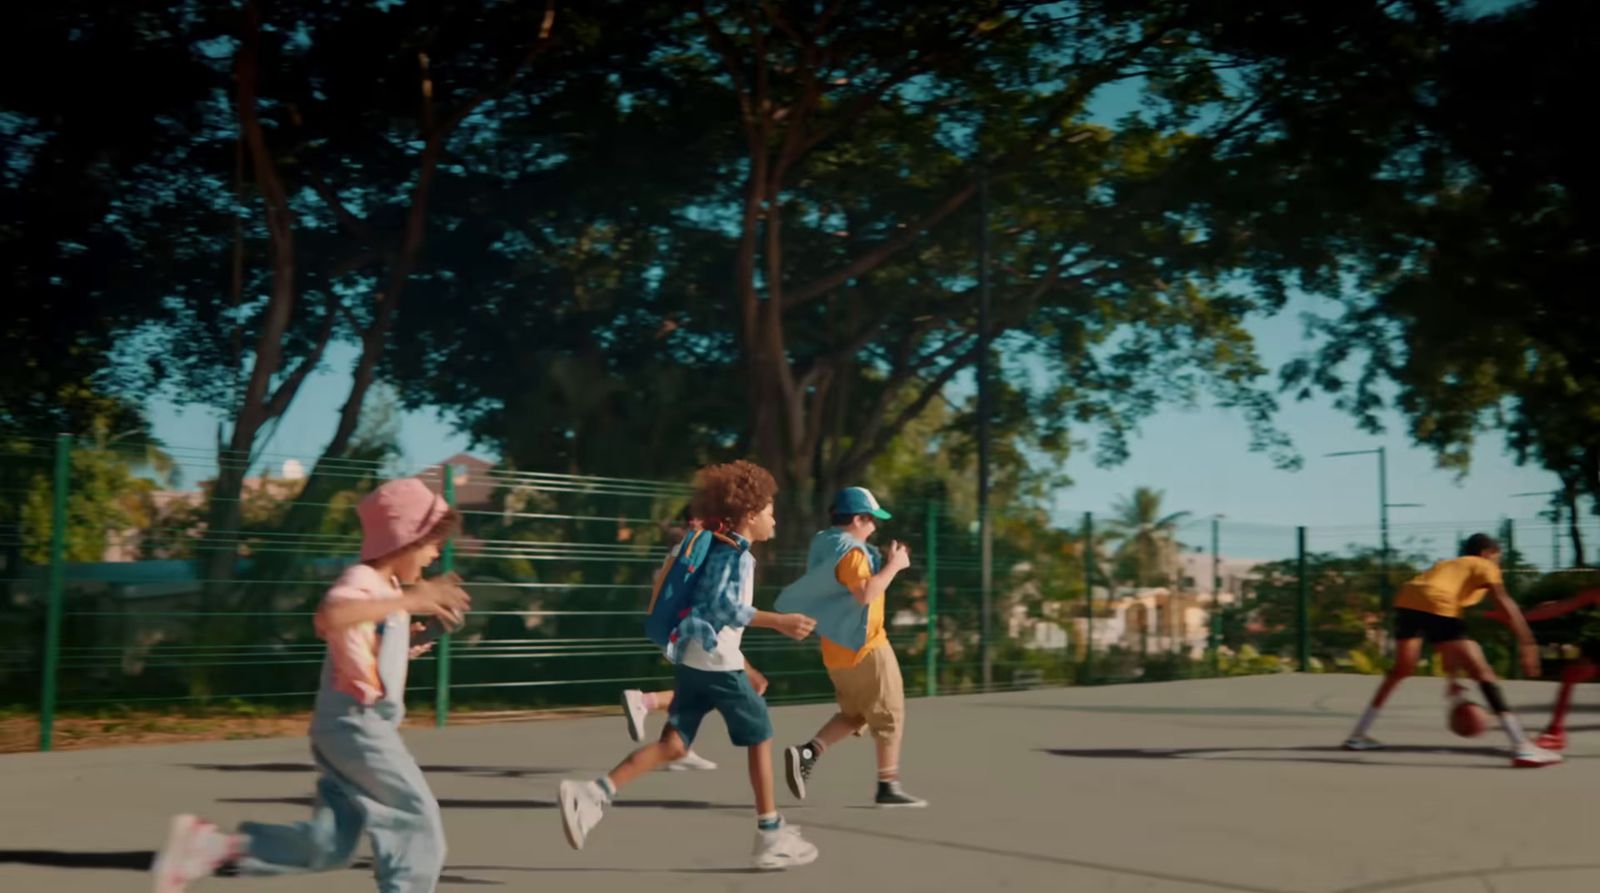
x: 818, y: 594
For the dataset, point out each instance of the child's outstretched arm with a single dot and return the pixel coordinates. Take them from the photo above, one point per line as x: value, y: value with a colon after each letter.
x: 1552, y: 609
x: 439, y: 596
x: 795, y: 626
x: 1528, y: 648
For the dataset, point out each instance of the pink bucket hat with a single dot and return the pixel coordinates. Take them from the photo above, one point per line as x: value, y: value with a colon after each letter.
x: 396, y: 515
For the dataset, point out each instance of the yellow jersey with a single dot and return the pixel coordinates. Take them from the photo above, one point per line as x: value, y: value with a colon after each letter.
x: 1450, y: 586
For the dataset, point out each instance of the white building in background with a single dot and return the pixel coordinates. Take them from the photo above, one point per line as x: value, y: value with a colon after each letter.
x: 1194, y: 572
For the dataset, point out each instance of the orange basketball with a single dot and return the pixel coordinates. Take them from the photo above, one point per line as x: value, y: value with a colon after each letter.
x: 1468, y: 719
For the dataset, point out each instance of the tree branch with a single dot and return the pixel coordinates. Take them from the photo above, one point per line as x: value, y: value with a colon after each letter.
x: 887, y: 249
x: 286, y: 390
x: 355, y: 225
x: 729, y: 54
x: 534, y: 51
x: 887, y: 432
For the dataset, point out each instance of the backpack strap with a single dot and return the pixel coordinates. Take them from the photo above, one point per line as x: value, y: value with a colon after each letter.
x: 661, y: 580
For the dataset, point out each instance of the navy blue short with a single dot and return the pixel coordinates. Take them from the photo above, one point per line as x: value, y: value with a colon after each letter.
x: 729, y: 693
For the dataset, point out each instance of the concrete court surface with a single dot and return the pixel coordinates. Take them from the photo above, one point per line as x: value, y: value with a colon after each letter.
x: 1183, y: 787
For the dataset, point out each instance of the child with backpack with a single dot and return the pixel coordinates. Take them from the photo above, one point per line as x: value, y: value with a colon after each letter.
x: 706, y: 599
x: 638, y: 704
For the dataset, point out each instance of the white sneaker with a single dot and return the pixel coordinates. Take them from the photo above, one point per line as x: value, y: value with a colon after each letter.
x: 633, y: 709
x: 582, y: 806
x: 1532, y: 757
x: 1362, y: 742
x: 783, y: 848
x: 194, y: 849
x: 691, y: 762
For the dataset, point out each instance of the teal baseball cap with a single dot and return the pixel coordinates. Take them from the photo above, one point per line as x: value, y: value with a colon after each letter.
x: 858, y: 501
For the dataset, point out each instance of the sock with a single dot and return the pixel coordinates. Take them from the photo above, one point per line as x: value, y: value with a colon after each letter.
x: 1513, y: 729
x: 769, y: 821
x: 649, y: 700
x: 1365, y: 722
x: 606, y: 787
x: 891, y: 775
x: 1495, y: 697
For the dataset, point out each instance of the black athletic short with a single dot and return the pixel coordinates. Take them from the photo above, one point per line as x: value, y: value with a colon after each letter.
x: 1410, y: 624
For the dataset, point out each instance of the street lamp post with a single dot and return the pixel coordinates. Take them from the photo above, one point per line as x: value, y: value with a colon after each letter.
x: 1384, y: 505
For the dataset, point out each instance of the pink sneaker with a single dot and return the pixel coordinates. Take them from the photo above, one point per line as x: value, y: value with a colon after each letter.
x: 194, y: 849
x: 1552, y: 740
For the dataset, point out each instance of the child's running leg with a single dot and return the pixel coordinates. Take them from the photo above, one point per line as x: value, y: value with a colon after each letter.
x: 326, y: 841
x: 368, y: 768
x: 886, y: 717
x: 1406, y: 652
x: 1555, y: 734
x: 652, y: 756
x: 800, y: 760
x: 1466, y: 657
x: 761, y: 781
x: 636, y: 705
x: 583, y: 803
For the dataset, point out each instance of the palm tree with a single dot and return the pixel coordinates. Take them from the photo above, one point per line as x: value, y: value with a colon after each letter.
x: 1148, y: 539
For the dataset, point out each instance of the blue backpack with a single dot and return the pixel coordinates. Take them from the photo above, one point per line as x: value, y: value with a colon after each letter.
x: 671, y: 600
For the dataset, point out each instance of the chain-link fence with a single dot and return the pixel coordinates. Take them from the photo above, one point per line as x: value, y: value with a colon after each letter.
x: 129, y: 586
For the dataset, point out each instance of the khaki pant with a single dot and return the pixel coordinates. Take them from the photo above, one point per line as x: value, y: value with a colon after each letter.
x: 871, y: 694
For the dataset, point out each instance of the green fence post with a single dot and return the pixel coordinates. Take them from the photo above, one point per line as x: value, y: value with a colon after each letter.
x: 447, y: 564
x: 55, y: 593
x: 932, y: 656
x: 1302, y: 613
x: 1088, y: 596
x: 1214, y: 634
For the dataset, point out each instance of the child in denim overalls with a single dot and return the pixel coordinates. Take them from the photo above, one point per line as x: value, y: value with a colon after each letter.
x: 369, y: 782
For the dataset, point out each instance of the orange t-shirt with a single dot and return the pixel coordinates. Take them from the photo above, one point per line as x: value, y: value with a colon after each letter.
x: 1449, y: 586
x: 854, y: 570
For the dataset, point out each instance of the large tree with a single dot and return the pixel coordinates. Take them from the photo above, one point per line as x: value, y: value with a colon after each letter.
x: 1471, y: 305
x: 829, y: 158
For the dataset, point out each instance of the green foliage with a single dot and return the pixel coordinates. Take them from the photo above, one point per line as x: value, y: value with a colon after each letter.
x: 1345, y: 600
x: 1147, y: 553
x: 1470, y: 306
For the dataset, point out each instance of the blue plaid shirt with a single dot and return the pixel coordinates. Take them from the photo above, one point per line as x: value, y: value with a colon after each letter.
x: 717, y: 599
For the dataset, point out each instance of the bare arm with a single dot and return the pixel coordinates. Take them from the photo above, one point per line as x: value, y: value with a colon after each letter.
x: 795, y: 626
x: 440, y: 596
x: 1529, y: 649
x: 873, y: 588
x: 1513, y: 614
x: 1563, y: 606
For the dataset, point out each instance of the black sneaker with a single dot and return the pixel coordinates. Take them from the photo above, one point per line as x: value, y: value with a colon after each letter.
x: 797, y: 764
x: 890, y: 796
